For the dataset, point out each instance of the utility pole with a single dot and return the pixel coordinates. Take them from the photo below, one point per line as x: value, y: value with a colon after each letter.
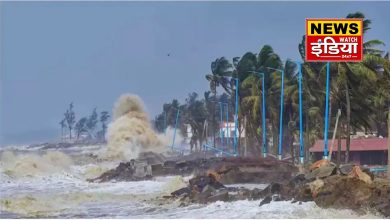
x: 326, y: 153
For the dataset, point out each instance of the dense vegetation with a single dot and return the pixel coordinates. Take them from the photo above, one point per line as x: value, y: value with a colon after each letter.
x: 360, y: 90
x: 85, y: 126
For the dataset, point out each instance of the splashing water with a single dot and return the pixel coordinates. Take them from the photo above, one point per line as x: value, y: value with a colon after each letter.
x: 70, y: 197
x: 130, y: 132
x: 34, y: 164
x: 53, y: 184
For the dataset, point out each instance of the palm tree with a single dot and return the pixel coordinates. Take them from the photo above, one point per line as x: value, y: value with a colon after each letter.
x: 243, y: 68
x: 379, y: 96
x: 249, y: 106
x: 220, y: 71
x: 358, y: 89
x: 195, y: 114
x: 355, y: 77
x: 351, y: 82
x: 291, y: 105
x: 266, y: 59
x: 250, y: 91
x: 313, y: 98
x: 388, y: 144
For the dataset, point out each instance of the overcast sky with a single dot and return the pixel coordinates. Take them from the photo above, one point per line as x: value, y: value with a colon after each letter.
x: 90, y: 53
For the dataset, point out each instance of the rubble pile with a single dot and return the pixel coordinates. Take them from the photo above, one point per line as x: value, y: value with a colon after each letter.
x: 229, y: 170
x: 347, y: 187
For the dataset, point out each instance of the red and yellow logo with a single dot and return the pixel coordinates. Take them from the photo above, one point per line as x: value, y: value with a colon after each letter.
x: 330, y: 40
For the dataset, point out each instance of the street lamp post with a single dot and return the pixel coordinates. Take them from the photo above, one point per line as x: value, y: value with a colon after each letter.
x: 227, y: 124
x: 301, y: 144
x: 236, y: 120
x: 281, y: 114
x: 264, y: 122
x: 326, y: 112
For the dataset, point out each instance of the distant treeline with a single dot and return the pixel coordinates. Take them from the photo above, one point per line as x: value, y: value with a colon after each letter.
x: 86, y: 127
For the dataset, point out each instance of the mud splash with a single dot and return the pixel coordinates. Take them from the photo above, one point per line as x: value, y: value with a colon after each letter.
x: 130, y: 133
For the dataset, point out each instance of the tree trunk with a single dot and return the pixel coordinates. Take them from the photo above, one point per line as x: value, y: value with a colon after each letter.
x: 339, y: 145
x: 348, y: 144
x: 258, y: 140
x: 70, y: 133
x: 388, y: 144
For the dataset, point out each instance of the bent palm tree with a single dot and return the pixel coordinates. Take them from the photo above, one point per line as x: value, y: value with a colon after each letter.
x: 220, y: 71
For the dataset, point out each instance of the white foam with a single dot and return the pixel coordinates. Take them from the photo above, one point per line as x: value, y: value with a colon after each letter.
x: 250, y: 209
x: 16, y: 147
x: 68, y: 195
x: 250, y: 186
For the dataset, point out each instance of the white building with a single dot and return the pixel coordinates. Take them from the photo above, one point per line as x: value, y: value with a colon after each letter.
x: 228, y: 130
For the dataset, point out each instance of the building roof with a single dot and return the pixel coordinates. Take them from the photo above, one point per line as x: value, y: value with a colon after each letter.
x: 361, y: 144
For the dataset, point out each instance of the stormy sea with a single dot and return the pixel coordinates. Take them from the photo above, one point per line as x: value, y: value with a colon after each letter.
x: 51, y: 182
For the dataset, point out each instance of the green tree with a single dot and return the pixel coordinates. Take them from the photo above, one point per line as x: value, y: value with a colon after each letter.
x: 195, y: 114
x: 243, y: 68
x: 350, y: 84
x: 356, y: 79
x: 210, y: 108
x: 159, y: 122
x: 381, y: 99
x: 267, y: 60
x: 170, y: 109
x: 220, y: 73
x: 251, y: 99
